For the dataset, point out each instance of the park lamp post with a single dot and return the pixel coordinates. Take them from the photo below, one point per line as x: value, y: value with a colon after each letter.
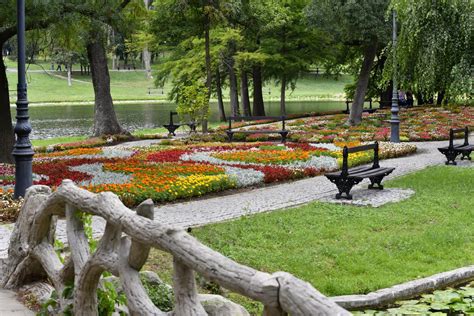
x: 22, y: 150
x: 395, y: 119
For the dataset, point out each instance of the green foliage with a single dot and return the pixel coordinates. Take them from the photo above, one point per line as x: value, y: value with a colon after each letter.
x: 435, y: 47
x: 192, y: 100
x: 445, y: 302
x: 108, y: 298
x: 87, y: 221
x: 161, y: 295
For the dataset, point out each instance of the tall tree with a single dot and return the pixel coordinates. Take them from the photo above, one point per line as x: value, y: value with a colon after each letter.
x: 435, y: 50
x: 105, y: 120
x: 358, y: 25
x: 39, y: 15
x: 292, y: 46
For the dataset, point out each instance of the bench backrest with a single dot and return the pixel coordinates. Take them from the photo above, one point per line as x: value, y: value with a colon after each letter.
x: 453, y: 131
x: 256, y: 118
x: 350, y: 150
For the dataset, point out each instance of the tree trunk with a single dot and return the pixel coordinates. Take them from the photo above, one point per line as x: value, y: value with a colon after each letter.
x: 147, y: 62
x: 146, y: 56
x: 244, y: 93
x: 440, y: 98
x: 234, y: 95
x: 69, y: 74
x: 283, y: 96
x: 355, y: 117
x: 386, y: 96
x: 258, y: 105
x: 419, y: 99
x: 7, y: 136
x: 208, y: 65
x: 220, y: 101
x: 105, y: 120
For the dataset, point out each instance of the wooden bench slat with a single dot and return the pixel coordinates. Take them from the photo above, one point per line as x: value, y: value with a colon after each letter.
x: 283, y: 132
x: 255, y: 118
x: 356, y: 149
x: 372, y: 173
x: 350, y: 171
x: 258, y: 131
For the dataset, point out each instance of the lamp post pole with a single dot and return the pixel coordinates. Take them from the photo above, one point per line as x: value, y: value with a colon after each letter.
x: 395, y: 120
x: 22, y: 150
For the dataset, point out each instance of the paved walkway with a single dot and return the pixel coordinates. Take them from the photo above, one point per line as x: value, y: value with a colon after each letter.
x: 9, y: 306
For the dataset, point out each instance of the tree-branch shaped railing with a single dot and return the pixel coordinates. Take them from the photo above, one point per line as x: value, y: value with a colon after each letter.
x: 123, y: 250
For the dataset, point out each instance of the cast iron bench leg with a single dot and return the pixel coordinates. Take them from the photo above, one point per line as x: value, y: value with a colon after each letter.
x: 451, y: 156
x: 230, y: 135
x: 345, y: 185
x: 283, y: 136
x: 466, y: 155
x: 377, y: 181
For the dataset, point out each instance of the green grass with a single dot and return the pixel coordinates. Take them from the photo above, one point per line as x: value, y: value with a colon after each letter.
x: 132, y: 85
x: 57, y: 140
x: 349, y: 249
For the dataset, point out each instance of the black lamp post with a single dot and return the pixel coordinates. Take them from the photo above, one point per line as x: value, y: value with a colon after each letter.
x: 395, y: 120
x: 22, y: 151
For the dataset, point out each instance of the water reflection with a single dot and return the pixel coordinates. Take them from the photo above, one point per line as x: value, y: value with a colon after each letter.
x: 74, y: 120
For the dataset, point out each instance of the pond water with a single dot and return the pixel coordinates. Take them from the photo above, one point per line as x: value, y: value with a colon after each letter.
x: 75, y: 120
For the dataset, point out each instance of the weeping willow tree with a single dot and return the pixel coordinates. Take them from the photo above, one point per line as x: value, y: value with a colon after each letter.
x: 435, y: 50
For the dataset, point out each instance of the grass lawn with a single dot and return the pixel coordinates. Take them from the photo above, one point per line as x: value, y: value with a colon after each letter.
x: 132, y: 85
x: 349, y: 249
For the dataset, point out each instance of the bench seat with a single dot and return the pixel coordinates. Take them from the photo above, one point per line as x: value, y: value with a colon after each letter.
x: 283, y: 131
x: 371, y: 173
x: 347, y: 178
x: 452, y: 151
x: 261, y: 131
x: 362, y: 172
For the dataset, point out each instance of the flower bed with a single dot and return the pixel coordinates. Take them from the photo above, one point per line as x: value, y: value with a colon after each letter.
x: 166, y: 173
x: 9, y: 207
x: 416, y: 124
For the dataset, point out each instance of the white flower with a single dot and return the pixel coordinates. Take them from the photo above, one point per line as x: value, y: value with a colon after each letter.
x: 245, y: 177
x: 99, y: 176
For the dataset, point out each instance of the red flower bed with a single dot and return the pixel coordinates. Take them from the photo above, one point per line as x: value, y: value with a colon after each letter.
x: 167, y: 155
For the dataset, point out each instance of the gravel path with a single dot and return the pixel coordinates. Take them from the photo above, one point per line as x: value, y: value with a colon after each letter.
x: 234, y: 205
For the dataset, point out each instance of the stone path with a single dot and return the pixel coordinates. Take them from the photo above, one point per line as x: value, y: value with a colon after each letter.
x: 9, y: 306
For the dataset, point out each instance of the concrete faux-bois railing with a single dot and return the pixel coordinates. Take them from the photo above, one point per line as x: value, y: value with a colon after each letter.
x: 124, y: 248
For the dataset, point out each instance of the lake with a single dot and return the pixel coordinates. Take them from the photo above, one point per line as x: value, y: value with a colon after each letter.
x: 75, y: 120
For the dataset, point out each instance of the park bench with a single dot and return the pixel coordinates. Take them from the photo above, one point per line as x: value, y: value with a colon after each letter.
x: 452, y: 151
x: 172, y: 127
x: 347, y: 178
x: 369, y: 110
x: 283, y: 132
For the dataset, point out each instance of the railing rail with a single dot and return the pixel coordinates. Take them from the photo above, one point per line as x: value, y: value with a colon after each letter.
x: 31, y: 256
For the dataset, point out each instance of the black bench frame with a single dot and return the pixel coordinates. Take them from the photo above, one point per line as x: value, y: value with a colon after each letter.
x: 283, y: 132
x: 369, y: 110
x: 452, y: 151
x: 172, y: 127
x: 347, y: 178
